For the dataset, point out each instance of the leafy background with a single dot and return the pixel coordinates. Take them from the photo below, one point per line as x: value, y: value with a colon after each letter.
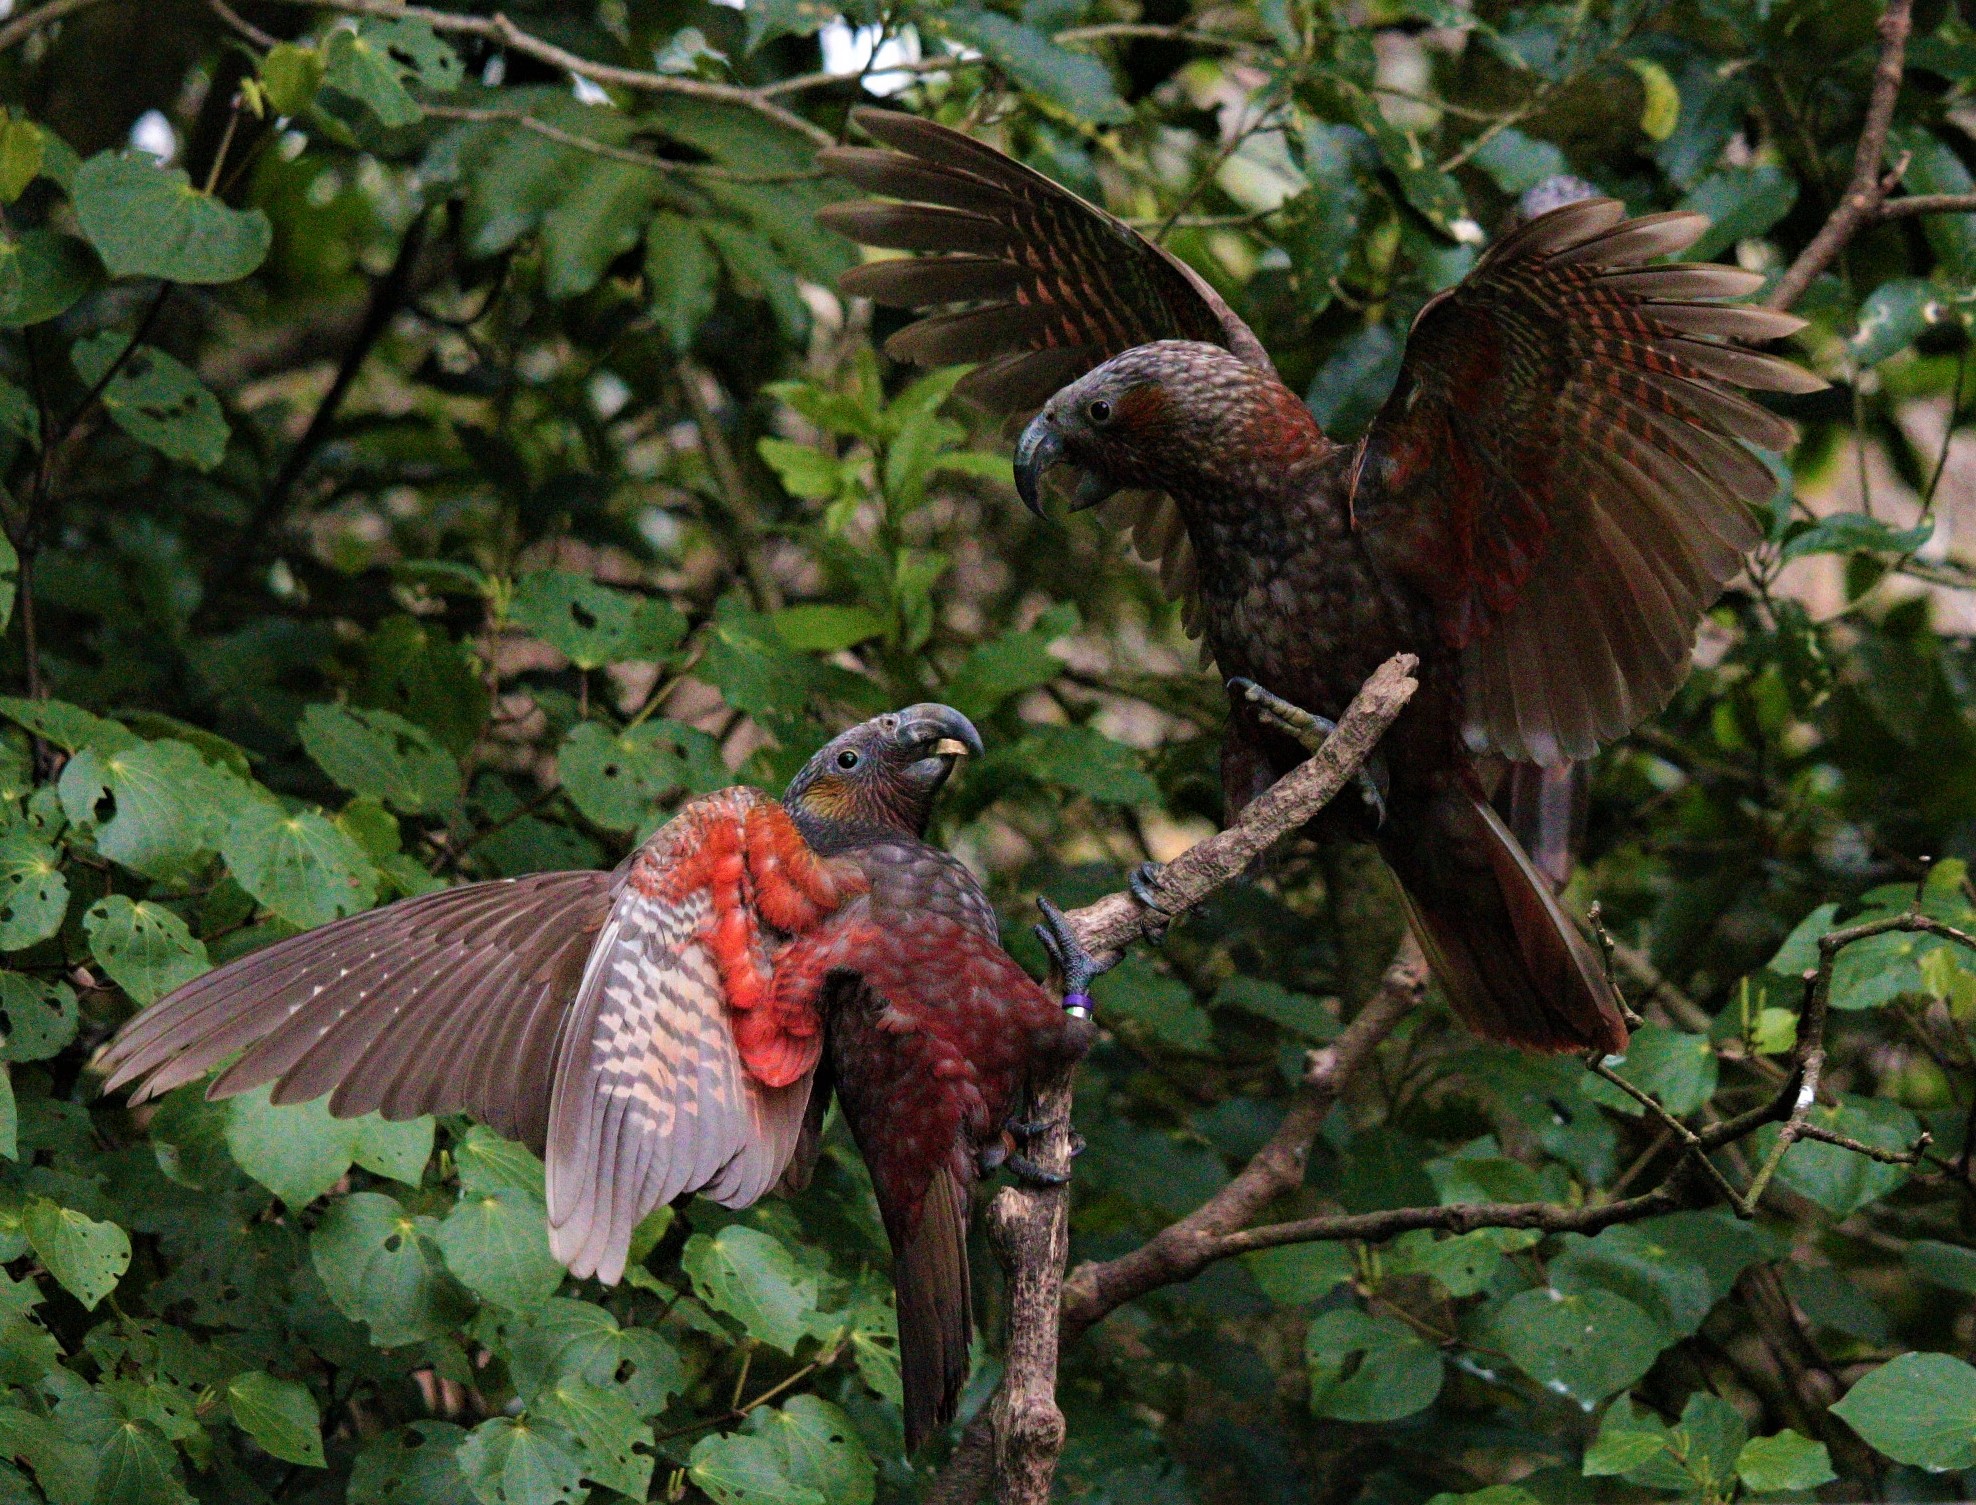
x: 422, y: 465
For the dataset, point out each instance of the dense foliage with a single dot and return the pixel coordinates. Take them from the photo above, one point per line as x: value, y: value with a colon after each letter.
x: 434, y: 471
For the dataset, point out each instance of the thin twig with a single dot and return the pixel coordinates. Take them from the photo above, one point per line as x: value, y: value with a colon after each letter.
x: 1868, y: 187
x: 1910, y: 205
x: 498, y: 29
x: 25, y: 26
x: 709, y: 171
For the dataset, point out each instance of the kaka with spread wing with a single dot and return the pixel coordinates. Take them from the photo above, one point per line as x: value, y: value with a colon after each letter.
x: 678, y: 1025
x: 1557, y: 489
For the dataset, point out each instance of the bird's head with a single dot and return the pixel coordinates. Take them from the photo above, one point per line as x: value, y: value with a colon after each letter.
x: 884, y: 773
x: 1174, y: 416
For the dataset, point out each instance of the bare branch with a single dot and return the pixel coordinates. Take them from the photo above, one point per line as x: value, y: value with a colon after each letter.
x: 1928, y: 203
x: 705, y: 170
x: 1015, y: 1442
x: 1862, y: 198
x: 22, y: 27
x: 499, y: 29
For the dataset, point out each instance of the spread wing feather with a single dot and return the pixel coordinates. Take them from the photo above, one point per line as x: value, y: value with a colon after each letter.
x: 329, y: 1009
x: 1057, y: 286
x: 1562, y: 470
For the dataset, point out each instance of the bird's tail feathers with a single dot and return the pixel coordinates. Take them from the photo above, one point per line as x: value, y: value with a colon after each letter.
x: 1514, y: 967
x: 936, y: 1307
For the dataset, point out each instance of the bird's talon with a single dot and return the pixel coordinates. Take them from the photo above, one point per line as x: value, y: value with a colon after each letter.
x: 1144, y: 886
x: 1029, y: 1172
x: 1025, y: 1130
x: 1307, y: 728
x: 1076, y: 964
x: 1077, y: 1144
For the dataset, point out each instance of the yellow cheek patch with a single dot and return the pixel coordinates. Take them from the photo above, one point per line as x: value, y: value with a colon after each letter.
x: 831, y: 798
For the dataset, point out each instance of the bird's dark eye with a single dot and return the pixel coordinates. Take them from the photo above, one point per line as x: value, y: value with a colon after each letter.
x: 1100, y: 411
x: 848, y: 759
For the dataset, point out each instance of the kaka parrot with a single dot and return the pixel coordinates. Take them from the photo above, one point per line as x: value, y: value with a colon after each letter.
x: 1555, y: 492
x: 677, y: 1025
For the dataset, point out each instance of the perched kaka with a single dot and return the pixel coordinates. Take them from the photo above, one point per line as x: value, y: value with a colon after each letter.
x: 677, y: 1025
x: 1555, y: 492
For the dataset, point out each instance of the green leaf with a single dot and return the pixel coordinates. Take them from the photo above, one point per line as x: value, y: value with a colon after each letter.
x: 769, y: 19
x: 298, y: 1151
x: 155, y: 399
x: 22, y: 144
x: 1678, y: 1069
x: 278, y: 1414
x: 1300, y: 1274
x: 486, y: 1162
x: 826, y: 629
x: 1464, y: 1263
x: 592, y: 625
x: 681, y: 275
x: 1434, y: 193
x: 607, y: 1431
x: 291, y: 74
x: 1011, y: 665
x: 384, y: 756
x: 1740, y: 202
x: 10, y: 1117
x: 750, y: 1277
x: 820, y: 1449
x: 1847, y: 533
x: 522, y: 1461
x: 372, y: 63
x: 298, y: 864
x: 156, y: 807
x: 1784, y: 1464
x: 1321, y: 226
x: 1158, y: 1005
x: 1080, y: 759
x: 88, y: 1257
x: 416, y: 1464
x: 37, y: 1016
x: 497, y: 1243
x: 137, y: 1467
x: 1660, y: 106
x: 1834, y: 1177
x: 1656, y: 1265
x: 1951, y: 1266
x: 373, y: 1260
x: 1297, y: 1012
x: 1928, y: 164
x: 1586, y: 1346
x: 149, y: 221
x: 1621, y: 1452
x: 622, y: 781
x: 1365, y: 1368
x: 740, y: 1469
x: 33, y: 893
x: 566, y: 1339
x: 804, y: 470
x: 69, y: 727
x: 1919, y: 1408
x: 42, y: 273
x: 1074, y: 82
x: 144, y: 947
x: 1893, y: 317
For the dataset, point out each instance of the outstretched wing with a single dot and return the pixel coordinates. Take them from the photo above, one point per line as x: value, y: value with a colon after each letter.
x: 623, y: 1024
x: 1562, y: 470
x: 1050, y: 286
x: 449, y: 1001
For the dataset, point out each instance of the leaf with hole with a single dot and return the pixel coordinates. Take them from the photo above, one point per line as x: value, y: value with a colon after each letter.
x: 278, y: 1414
x: 750, y: 1277
x: 87, y: 1256
x: 382, y: 755
x: 155, y: 399
x: 34, y: 895
x: 144, y: 947
x: 299, y: 864
x: 1365, y: 1368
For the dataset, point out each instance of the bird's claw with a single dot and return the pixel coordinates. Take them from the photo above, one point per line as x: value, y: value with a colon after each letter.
x: 1030, y: 1173
x: 1024, y: 1131
x: 1144, y: 885
x: 1309, y: 731
x: 1076, y: 964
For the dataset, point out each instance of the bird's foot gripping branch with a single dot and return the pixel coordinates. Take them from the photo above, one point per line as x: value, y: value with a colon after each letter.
x: 1018, y: 1438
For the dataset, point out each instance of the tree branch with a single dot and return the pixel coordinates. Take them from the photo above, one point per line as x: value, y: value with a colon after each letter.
x: 1861, y: 201
x: 499, y: 29
x: 1016, y: 1439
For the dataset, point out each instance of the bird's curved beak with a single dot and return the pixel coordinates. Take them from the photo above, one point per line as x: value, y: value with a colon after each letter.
x: 1039, y: 448
x: 937, y: 731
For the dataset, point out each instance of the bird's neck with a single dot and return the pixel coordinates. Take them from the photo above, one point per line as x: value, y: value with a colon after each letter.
x: 832, y: 836
x: 1260, y: 452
